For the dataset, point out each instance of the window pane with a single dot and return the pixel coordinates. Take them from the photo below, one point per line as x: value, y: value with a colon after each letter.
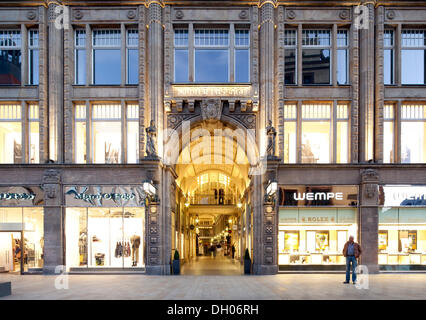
x: 290, y: 142
x: 342, y: 66
x: 80, y: 142
x: 342, y: 145
x: 132, y: 66
x: 106, y: 142
x: 132, y: 142
x: 413, y: 66
x: 181, y: 65
x: 34, y: 142
x: 388, y: 137
x: 80, y: 67
x: 316, y: 66
x: 413, y: 136
x: 10, y: 142
x: 76, y: 239
x: 388, y: 66
x: 211, y: 66
x: 242, y: 66
x: 316, y: 142
x: 33, y: 59
x: 34, y: 241
x: 107, y: 66
x: 10, y: 67
x: 290, y: 66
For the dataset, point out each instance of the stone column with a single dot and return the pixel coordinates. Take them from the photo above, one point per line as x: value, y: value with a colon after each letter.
x: 155, y: 74
x: 369, y: 219
x: 366, y: 85
x: 265, y: 223
x: 53, y: 253
x: 158, y: 221
x: 56, y: 86
x: 267, y: 63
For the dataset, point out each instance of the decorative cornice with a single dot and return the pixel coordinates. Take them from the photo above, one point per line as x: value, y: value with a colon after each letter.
x: 263, y: 2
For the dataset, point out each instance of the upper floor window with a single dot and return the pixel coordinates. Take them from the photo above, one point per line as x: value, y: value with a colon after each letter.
x: 10, y: 57
x: 413, y: 63
x: 80, y: 56
x: 106, y: 141
x: 290, y: 59
x: 342, y: 57
x: 19, y: 134
x: 216, y: 59
x: 106, y: 56
x: 316, y: 57
x: 388, y: 57
x: 132, y: 57
x: 33, y: 57
x: 323, y: 136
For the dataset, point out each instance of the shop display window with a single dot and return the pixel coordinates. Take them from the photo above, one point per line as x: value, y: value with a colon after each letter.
x: 21, y: 238
x: 104, y: 237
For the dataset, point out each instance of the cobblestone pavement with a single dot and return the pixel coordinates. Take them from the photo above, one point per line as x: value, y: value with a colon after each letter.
x: 282, y: 286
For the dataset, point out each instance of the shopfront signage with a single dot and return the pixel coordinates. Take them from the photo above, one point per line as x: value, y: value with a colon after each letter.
x: 211, y: 91
x: 317, y: 216
x: 307, y: 196
x: 21, y: 196
x: 402, y: 196
x: 104, y: 196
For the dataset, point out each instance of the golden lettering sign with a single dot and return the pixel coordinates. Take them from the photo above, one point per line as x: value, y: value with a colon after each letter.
x: 211, y: 91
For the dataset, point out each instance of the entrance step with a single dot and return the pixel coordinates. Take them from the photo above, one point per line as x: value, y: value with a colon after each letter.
x: 107, y: 270
x: 5, y: 289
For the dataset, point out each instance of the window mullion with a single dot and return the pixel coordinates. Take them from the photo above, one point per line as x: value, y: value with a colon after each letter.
x: 24, y: 132
x: 397, y: 132
x: 398, y: 55
x: 89, y: 54
x: 333, y: 134
x: 123, y: 54
x: 299, y: 57
x: 191, y: 52
x: 24, y: 56
x: 124, y: 132
x: 299, y: 132
x: 334, y: 55
x: 231, y: 56
x: 88, y: 132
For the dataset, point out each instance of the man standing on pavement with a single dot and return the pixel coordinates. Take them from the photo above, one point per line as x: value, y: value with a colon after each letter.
x: 351, y: 251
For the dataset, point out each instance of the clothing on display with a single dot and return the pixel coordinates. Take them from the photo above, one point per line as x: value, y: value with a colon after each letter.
x: 136, y: 241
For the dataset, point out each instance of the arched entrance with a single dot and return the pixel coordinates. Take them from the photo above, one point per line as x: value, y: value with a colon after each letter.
x: 211, y: 225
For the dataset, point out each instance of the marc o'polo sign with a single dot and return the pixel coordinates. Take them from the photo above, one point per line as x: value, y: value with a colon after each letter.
x: 104, y: 196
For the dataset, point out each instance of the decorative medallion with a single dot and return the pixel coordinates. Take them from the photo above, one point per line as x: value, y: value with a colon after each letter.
x: 131, y: 14
x: 211, y: 109
x: 243, y: 15
x: 390, y: 14
x: 344, y: 14
x: 31, y: 15
x: 291, y: 14
x: 78, y: 14
x: 179, y: 14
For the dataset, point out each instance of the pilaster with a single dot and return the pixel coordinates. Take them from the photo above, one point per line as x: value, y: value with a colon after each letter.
x: 43, y: 86
x: 56, y: 86
x: 379, y: 85
x: 369, y: 219
x: 142, y: 79
x: 53, y: 221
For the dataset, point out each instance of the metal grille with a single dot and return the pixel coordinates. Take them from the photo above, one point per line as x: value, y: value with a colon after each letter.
x: 132, y: 38
x: 80, y: 112
x: 342, y: 38
x: 10, y: 112
x: 290, y: 38
x: 388, y: 38
x: 80, y: 38
x: 342, y: 112
x: 316, y: 38
x: 181, y: 38
x: 413, y: 38
x: 413, y: 112
x: 290, y: 111
x: 106, y: 111
x: 106, y: 38
x: 33, y: 39
x: 388, y: 113
x: 316, y: 111
x: 242, y: 38
x: 132, y: 112
x: 33, y: 112
x: 211, y: 38
x: 10, y: 39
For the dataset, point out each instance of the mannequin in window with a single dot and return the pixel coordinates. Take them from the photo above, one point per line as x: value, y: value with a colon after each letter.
x: 136, y: 242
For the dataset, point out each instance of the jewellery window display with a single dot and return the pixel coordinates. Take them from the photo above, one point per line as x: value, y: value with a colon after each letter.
x: 314, y: 236
x: 104, y: 237
x: 402, y: 236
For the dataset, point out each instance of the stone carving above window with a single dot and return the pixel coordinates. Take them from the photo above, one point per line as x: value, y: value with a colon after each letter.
x: 211, y: 109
